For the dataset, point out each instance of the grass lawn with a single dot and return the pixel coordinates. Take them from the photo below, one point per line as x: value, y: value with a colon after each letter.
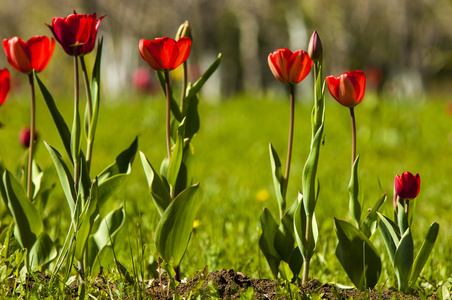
x: 233, y: 166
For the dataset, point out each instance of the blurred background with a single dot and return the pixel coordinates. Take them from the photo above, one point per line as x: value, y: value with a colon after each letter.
x: 404, y: 46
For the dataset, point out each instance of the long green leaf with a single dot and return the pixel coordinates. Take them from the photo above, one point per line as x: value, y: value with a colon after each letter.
x: 95, y: 90
x: 403, y: 260
x: 357, y: 255
x: 86, y: 220
x: 390, y: 234
x: 105, y: 235
x: 157, y: 188
x: 122, y: 163
x: 267, y: 241
x: 424, y: 253
x: 300, y: 220
x: 176, y: 224
x: 310, y: 173
x: 202, y: 80
x: 58, y: 119
x: 278, y: 179
x: 176, y: 157
x: 43, y: 251
x: 353, y: 189
x: 66, y: 180
x: 28, y: 221
x: 370, y: 222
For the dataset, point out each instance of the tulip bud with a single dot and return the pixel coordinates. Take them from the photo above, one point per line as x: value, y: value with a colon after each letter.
x: 315, y: 49
x: 184, y: 31
x: 24, y: 137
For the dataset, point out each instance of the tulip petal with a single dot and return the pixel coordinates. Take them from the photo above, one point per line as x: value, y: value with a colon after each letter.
x: 5, y: 84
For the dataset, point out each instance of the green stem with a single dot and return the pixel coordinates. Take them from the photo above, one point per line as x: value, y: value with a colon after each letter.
x: 76, y: 126
x: 168, y: 115
x: 32, y: 136
x: 290, y: 143
x: 352, y: 115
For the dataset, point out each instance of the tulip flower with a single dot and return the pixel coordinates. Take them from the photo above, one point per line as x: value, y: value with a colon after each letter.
x: 25, y: 137
x: 76, y: 33
x: 5, y: 84
x: 290, y: 68
x: 165, y: 54
x: 27, y: 56
x: 348, y: 89
x: 407, y: 185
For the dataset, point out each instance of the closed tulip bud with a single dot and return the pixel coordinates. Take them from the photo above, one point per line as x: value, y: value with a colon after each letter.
x: 315, y: 48
x: 348, y: 89
x: 184, y: 31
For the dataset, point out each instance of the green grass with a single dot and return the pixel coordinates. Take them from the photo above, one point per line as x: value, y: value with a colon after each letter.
x: 232, y: 163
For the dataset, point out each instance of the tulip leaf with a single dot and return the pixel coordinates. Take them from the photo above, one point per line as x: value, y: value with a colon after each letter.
x: 357, y: 255
x: 105, y: 234
x: 309, y: 173
x: 300, y: 224
x: 424, y: 253
x: 202, y: 80
x: 95, y: 90
x: 26, y: 217
x: 110, y: 178
x: 370, y: 222
x: 66, y: 180
x: 157, y: 188
x: 353, y: 189
x: 402, y: 218
x: 86, y: 220
x: 403, y: 260
x: 390, y: 234
x: 174, y: 106
x: 191, y: 115
x: 176, y: 157
x: 58, y: 119
x: 176, y: 224
x: 43, y: 251
x: 267, y: 241
x: 278, y: 179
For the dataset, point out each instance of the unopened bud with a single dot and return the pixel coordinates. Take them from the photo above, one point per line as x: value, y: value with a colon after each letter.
x: 315, y: 49
x: 184, y: 31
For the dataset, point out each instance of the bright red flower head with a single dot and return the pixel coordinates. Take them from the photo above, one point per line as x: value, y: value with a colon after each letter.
x: 288, y: 67
x: 76, y: 33
x: 407, y: 185
x: 164, y: 54
x: 5, y: 84
x: 33, y: 54
x: 348, y: 89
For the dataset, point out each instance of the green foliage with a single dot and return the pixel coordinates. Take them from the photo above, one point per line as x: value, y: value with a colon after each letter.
x: 400, y: 246
x: 357, y: 254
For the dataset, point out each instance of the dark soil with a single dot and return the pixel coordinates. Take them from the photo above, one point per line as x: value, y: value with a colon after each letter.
x: 228, y: 284
x: 224, y: 284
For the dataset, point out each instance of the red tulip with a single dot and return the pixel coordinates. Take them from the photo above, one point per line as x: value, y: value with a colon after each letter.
x: 407, y: 185
x: 5, y: 84
x: 348, y: 89
x: 25, y: 136
x: 288, y: 67
x: 32, y: 55
x: 76, y: 33
x: 164, y: 54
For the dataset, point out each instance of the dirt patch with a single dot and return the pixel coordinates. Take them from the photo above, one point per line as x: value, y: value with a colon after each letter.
x: 224, y: 284
x: 228, y: 284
